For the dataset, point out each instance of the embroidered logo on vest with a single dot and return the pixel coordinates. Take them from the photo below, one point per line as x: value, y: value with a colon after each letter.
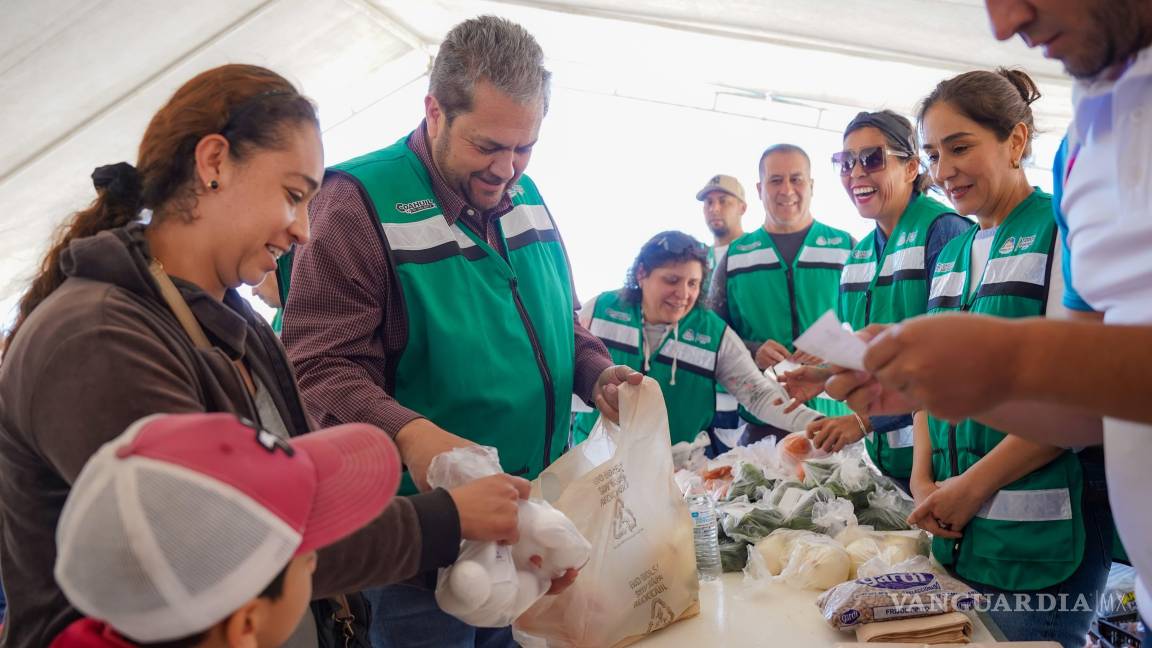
x: 835, y: 240
x: 745, y: 247
x: 415, y: 207
x: 941, y: 268
x: 515, y: 190
x: 1026, y: 242
x: 618, y: 315
x: 692, y: 336
x: 1008, y: 246
x: 862, y: 254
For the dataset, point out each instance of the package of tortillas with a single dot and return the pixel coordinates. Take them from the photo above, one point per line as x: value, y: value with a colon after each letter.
x: 912, y: 589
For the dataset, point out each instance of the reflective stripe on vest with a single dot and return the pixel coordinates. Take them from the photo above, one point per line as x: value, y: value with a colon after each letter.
x: 900, y: 438
x: 907, y: 263
x: 688, y: 356
x: 826, y: 257
x: 947, y: 290
x: 754, y: 260
x: 1020, y: 274
x: 613, y: 333
x: 858, y: 276
x: 1028, y: 506
x: 527, y: 224
x: 726, y: 402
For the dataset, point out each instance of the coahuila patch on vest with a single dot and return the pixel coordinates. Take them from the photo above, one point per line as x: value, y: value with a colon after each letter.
x: 744, y: 247
x: 862, y: 254
x: 1008, y: 246
x: 515, y: 190
x: 941, y: 268
x: 619, y: 315
x: 415, y: 207
x: 692, y: 336
x: 1026, y: 242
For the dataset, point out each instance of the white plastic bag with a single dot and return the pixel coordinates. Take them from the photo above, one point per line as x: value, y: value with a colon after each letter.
x: 489, y: 585
x: 617, y: 488
x: 690, y: 456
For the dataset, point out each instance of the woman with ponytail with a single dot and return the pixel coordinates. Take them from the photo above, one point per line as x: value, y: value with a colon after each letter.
x: 135, y: 312
x: 1022, y: 521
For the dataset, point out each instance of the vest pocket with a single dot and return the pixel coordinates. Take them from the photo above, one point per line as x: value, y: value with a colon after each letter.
x: 1050, y: 541
x: 1020, y: 556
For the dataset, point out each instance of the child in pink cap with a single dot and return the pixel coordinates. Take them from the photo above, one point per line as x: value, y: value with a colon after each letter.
x: 201, y: 530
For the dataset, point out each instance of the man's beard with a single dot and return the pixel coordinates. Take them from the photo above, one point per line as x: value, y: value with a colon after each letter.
x: 719, y: 231
x: 1122, y: 31
x: 441, y: 153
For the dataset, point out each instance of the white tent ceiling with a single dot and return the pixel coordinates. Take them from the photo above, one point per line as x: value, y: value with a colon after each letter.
x: 80, y: 78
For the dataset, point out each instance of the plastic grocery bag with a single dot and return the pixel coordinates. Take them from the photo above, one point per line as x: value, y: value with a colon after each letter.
x: 617, y: 488
x: 490, y: 584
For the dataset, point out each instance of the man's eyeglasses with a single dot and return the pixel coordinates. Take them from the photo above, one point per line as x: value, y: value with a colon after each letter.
x: 871, y: 159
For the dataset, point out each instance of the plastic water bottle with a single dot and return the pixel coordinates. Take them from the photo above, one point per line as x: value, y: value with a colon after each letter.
x: 703, y: 511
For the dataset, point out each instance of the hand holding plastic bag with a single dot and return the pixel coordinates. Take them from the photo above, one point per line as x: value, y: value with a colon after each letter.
x: 491, y: 584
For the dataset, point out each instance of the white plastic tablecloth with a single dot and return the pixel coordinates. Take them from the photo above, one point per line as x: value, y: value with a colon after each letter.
x: 735, y: 613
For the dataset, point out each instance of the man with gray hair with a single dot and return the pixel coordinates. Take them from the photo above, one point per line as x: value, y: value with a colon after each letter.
x: 435, y: 300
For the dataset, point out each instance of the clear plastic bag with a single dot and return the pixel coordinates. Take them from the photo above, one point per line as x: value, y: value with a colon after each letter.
x: 489, y: 585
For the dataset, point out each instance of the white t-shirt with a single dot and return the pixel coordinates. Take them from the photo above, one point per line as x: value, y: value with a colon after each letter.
x: 978, y: 260
x: 1107, y: 204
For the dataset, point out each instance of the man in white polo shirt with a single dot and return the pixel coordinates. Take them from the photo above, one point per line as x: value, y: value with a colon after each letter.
x: 1045, y: 379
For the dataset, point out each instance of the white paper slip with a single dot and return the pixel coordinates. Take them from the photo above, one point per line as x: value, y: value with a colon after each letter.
x: 781, y: 368
x: 829, y: 340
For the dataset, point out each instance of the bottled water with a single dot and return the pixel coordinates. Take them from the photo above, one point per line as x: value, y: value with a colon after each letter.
x: 703, y: 511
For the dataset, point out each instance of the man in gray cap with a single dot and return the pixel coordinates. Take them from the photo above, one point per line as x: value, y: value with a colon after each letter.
x: 724, y: 205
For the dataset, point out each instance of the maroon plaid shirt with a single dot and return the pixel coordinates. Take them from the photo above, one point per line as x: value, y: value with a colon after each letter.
x: 345, y: 319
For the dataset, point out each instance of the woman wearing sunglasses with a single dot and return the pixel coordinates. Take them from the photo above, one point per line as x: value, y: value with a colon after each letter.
x: 885, y: 278
x: 656, y: 325
x: 1008, y: 515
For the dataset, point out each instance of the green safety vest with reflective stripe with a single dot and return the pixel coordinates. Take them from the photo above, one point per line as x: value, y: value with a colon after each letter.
x: 490, y: 349
x: 770, y: 301
x: 888, y: 289
x: 1030, y: 534
x: 684, y: 366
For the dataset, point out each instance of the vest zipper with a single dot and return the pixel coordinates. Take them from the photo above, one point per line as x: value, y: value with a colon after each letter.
x: 545, y: 374
x: 953, y: 454
x: 792, y: 303
x: 954, y: 461
x: 867, y: 307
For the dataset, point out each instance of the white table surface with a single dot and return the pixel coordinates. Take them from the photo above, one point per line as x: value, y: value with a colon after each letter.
x: 734, y: 613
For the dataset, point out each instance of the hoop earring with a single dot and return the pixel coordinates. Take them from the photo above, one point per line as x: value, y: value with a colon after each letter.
x: 213, y: 185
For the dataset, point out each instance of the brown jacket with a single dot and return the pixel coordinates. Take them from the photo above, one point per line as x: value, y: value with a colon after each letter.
x: 104, y: 351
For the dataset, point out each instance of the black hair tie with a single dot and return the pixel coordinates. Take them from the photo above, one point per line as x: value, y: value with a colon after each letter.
x: 119, y: 182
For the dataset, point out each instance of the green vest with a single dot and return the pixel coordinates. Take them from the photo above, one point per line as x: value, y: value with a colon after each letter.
x: 1030, y: 535
x: 490, y: 348
x: 688, y: 385
x: 770, y: 301
x: 891, y: 288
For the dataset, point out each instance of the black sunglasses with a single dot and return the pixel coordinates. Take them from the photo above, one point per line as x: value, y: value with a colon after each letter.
x: 871, y: 159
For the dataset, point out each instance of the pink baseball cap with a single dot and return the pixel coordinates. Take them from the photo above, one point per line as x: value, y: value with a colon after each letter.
x: 183, y: 518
